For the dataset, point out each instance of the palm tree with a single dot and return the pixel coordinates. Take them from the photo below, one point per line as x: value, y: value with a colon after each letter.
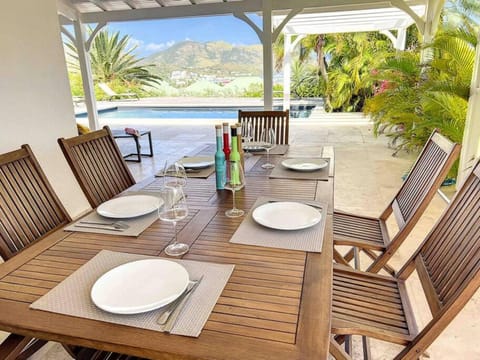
x: 113, y: 60
x: 351, y: 58
x: 315, y: 43
x: 418, y: 101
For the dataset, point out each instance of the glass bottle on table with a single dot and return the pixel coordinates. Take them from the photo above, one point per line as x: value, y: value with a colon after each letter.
x: 226, y: 141
x: 240, y: 144
x: 219, y: 159
x: 226, y: 144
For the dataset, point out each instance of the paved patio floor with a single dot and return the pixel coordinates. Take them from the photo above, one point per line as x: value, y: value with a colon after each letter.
x: 367, y: 176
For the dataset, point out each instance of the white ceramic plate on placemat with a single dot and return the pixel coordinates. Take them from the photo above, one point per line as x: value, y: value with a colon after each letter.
x: 256, y: 146
x: 286, y: 215
x: 196, y: 162
x: 304, y: 164
x: 139, y: 286
x: 129, y: 206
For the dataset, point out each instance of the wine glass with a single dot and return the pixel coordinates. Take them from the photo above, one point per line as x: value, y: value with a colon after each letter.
x: 174, y: 175
x: 268, y: 137
x: 234, y: 181
x: 174, y: 209
x: 247, y: 134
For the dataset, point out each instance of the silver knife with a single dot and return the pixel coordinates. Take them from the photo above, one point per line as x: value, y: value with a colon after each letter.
x: 99, y: 227
x: 169, y: 317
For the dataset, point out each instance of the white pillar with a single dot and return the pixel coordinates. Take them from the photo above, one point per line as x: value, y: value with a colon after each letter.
x: 471, y: 135
x: 432, y: 19
x: 287, y: 70
x: 87, y: 78
x: 401, y: 39
x: 267, y: 39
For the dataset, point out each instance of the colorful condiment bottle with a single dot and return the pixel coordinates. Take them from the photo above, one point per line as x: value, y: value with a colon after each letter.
x: 219, y: 159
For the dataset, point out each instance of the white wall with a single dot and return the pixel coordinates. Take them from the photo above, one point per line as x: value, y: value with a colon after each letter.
x: 35, y: 102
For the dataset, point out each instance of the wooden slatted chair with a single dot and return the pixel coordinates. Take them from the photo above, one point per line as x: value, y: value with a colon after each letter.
x: 370, y: 234
x: 260, y: 120
x: 29, y: 211
x: 98, y: 165
x: 448, y: 266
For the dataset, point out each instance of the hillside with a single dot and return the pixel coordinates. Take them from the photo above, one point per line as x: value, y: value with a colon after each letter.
x: 219, y: 59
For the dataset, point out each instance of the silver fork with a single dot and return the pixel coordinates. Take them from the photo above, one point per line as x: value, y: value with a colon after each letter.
x: 168, y: 317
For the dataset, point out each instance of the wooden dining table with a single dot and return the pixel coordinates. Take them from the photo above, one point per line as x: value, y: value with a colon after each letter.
x: 276, y: 305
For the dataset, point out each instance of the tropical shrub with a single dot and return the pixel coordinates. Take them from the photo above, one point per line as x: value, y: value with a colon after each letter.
x: 418, y: 98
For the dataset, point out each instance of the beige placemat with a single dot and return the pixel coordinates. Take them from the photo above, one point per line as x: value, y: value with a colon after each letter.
x: 72, y: 295
x: 300, y: 151
x: 281, y: 172
x: 251, y: 233
x: 136, y: 225
x: 276, y: 150
x: 195, y: 173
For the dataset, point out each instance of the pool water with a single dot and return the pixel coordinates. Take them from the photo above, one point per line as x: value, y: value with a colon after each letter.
x: 184, y: 113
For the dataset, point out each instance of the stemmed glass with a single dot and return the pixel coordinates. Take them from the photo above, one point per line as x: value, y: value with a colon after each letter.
x: 247, y: 134
x: 268, y: 137
x: 174, y: 175
x: 235, y: 180
x: 174, y: 209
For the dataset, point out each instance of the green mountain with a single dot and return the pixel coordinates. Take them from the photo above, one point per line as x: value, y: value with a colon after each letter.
x: 217, y: 58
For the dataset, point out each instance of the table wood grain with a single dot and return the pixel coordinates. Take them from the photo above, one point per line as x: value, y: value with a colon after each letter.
x: 276, y: 305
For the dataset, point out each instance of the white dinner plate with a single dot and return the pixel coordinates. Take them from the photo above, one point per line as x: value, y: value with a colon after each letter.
x: 139, y: 286
x: 197, y: 162
x: 256, y: 146
x: 129, y: 206
x: 286, y: 215
x: 305, y: 164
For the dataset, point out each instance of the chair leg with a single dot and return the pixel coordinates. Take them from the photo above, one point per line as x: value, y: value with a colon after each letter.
x: 32, y: 348
x: 366, y: 348
x: 337, y: 351
x: 348, y: 344
x: 12, y: 346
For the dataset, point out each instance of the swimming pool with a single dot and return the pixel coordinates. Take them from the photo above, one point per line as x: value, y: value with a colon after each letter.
x: 186, y: 113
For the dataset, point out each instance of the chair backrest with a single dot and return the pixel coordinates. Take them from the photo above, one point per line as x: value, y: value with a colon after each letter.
x: 29, y: 208
x: 425, y: 178
x: 106, y: 89
x: 448, y: 261
x: 260, y: 120
x: 98, y: 165
x: 418, y: 189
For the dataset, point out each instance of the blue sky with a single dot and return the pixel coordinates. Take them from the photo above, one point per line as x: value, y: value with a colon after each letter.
x: 155, y: 35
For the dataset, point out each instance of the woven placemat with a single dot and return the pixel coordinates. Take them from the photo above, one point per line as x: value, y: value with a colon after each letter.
x: 72, y: 295
x: 251, y: 233
x: 137, y: 225
x: 281, y: 172
x: 194, y: 173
